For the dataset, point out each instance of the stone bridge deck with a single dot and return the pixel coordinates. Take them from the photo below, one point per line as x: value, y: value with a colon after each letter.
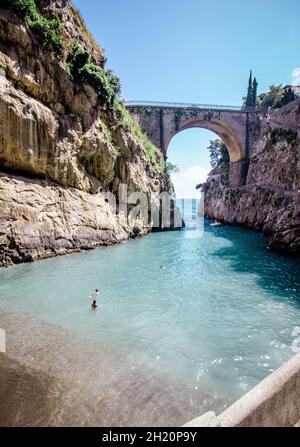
x: 182, y: 105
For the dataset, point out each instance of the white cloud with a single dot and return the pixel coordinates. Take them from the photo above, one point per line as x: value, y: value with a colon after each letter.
x: 185, y: 181
x: 296, y: 76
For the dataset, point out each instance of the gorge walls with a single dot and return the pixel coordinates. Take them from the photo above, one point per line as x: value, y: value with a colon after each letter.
x: 270, y: 200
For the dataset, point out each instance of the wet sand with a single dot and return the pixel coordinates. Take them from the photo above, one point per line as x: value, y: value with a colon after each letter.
x: 52, y: 377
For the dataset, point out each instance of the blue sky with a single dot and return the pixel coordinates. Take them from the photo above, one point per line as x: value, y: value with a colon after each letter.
x: 195, y: 51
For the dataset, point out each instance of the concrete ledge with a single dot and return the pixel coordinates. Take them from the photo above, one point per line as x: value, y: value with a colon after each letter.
x: 274, y: 402
x: 206, y: 420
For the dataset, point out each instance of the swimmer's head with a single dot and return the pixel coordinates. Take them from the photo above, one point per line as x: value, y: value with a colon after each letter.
x: 97, y: 290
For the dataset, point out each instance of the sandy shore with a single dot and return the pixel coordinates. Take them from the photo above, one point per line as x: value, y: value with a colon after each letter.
x: 51, y: 377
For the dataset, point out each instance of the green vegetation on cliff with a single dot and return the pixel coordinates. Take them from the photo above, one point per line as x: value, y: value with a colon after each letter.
x: 219, y: 157
x: 219, y: 160
x: 85, y: 34
x: 82, y: 69
x: 275, y: 98
x: 152, y: 152
x: 171, y: 168
x: 108, y: 87
x: 278, y: 134
x: 46, y: 30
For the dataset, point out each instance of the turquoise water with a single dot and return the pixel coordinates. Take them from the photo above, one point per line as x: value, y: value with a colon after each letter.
x: 219, y: 317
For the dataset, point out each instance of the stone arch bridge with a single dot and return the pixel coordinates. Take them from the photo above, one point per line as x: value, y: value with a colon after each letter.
x: 237, y: 127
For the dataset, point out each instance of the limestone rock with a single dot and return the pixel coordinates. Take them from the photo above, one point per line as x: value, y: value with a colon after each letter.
x: 59, y: 149
x: 270, y: 200
x: 40, y: 219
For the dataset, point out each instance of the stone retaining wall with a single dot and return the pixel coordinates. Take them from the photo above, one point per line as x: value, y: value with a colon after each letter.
x: 274, y: 402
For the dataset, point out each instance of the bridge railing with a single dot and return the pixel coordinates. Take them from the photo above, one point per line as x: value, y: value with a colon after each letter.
x: 181, y: 105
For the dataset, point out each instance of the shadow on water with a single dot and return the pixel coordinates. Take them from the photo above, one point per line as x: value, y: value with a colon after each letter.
x: 278, y: 274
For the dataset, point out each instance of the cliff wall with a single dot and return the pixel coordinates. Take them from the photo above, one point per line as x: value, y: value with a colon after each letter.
x: 65, y: 137
x: 270, y: 200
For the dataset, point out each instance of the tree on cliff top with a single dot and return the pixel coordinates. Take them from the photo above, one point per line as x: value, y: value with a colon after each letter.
x: 219, y: 157
x: 250, y: 99
x: 254, y: 92
x: 219, y: 160
x: 275, y: 98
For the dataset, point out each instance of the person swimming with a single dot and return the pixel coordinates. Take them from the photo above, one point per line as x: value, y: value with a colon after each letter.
x: 94, y: 297
x: 163, y: 267
x: 96, y: 294
x: 94, y: 305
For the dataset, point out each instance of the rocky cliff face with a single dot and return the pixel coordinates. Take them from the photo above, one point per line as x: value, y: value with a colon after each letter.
x: 270, y: 200
x: 60, y: 147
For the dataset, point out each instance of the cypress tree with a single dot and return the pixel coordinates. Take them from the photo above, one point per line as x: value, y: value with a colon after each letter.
x: 254, y: 92
x: 249, y: 97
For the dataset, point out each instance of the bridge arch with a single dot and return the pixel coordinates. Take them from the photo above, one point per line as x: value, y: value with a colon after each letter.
x: 235, y: 147
x: 237, y: 127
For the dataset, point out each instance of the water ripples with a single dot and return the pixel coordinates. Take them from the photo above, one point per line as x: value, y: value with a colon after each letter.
x: 219, y: 316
